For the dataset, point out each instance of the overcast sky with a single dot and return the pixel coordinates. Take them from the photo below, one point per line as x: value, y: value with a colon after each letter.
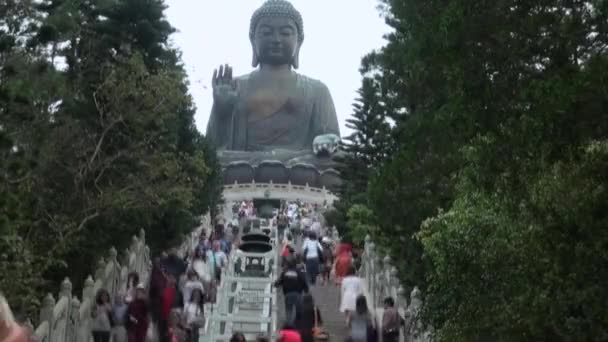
x: 337, y: 34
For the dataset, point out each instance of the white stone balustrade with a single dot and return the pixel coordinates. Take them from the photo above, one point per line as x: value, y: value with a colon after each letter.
x: 68, y: 319
x: 238, y: 192
x: 381, y: 281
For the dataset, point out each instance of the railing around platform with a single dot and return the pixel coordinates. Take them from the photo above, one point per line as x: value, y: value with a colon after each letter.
x: 246, y: 191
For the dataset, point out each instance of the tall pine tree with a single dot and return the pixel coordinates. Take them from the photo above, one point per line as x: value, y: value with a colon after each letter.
x: 365, y: 149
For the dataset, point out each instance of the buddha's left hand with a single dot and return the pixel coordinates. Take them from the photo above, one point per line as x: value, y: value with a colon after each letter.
x: 325, y: 144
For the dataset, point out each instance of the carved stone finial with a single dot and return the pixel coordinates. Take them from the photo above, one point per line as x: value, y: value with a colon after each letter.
x: 387, y: 260
x: 368, y: 239
x: 415, y: 300
x: 88, y: 290
x: 415, y: 293
x: 142, y: 234
x: 113, y: 253
x: 66, y: 288
x: 101, y: 269
x: 134, y: 241
x: 394, y: 272
x: 46, y: 311
x: 401, y: 291
x: 75, y: 306
x: 125, y: 256
x: 48, y: 301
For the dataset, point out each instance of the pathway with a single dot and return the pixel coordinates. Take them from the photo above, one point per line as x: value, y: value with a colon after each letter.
x: 327, y: 299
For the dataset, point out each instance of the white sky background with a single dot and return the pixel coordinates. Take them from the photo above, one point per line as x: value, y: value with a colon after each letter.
x: 338, y: 33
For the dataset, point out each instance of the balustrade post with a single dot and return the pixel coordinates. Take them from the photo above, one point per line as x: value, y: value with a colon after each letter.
x: 147, y: 263
x: 386, y: 286
x: 101, y: 267
x: 416, y: 328
x: 378, y: 267
x: 372, y: 269
x: 88, y: 304
x: 59, y: 332
x: 132, y: 266
x: 366, y: 253
x: 73, y: 321
x: 124, y: 269
x: 66, y: 288
x: 46, y: 314
x: 394, y: 284
x: 141, y: 260
x: 113, y: 281
x: 88, y: 291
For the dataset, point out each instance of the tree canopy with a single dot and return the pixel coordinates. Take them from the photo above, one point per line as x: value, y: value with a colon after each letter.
x: 97, y: 139
x: 496, y: 177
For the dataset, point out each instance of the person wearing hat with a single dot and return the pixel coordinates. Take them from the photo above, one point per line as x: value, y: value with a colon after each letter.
x: 138, y: 313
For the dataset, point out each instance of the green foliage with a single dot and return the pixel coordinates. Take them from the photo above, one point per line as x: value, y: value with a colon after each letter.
x: 361, y: 222
x: 365, y: 150
x: 498, y: 155
x: 95, y: 149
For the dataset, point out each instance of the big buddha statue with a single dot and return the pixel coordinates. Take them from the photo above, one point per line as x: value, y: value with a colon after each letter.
x: 273, y: 113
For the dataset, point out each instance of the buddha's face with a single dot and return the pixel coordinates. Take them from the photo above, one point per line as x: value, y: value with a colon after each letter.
x: 276, y: 41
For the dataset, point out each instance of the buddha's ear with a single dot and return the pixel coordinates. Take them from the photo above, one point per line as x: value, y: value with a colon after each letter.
x: 254, y: 62
x: 295, y: 63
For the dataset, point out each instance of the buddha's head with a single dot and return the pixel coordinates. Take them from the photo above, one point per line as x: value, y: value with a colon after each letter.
x: 276, y: 33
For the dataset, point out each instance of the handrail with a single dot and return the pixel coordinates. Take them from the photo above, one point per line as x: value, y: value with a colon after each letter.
x: 240, y: 191
x: 69, y: 320
x: 381, y: 281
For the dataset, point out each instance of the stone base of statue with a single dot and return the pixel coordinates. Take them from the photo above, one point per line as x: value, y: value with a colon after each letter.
x: 280, y: 167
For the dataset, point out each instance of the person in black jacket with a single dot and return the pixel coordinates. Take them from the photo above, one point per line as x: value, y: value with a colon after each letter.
x: 308, y: 317
x: 294, y: 284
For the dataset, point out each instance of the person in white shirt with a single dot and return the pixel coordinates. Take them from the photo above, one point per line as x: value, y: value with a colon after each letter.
x: 200, y: 266
x: 192, y: 283
x: 312, y: 251
x: 218, y: 260
x: 194, y: 314
x: 351, y: 289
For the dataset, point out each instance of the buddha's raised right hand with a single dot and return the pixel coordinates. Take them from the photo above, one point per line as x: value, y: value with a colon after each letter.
x: 224, y: 87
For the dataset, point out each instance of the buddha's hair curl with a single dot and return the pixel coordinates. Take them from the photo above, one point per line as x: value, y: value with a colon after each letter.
x: 277, y: 8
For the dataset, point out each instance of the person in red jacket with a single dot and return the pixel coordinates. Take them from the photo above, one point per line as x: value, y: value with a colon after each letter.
x: 289, y: 333
x: 168, y: 299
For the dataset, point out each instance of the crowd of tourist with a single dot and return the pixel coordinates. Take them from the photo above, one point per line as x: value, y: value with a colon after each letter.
x: 318, y: 260
x: 171, y: 306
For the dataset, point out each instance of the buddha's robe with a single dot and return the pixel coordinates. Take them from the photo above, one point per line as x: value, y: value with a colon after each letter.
x: 283, y: 118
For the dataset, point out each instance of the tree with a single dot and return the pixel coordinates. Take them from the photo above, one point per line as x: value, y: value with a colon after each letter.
x: 365, y: 150
x: 97, y: 137
x: 500, y: 153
